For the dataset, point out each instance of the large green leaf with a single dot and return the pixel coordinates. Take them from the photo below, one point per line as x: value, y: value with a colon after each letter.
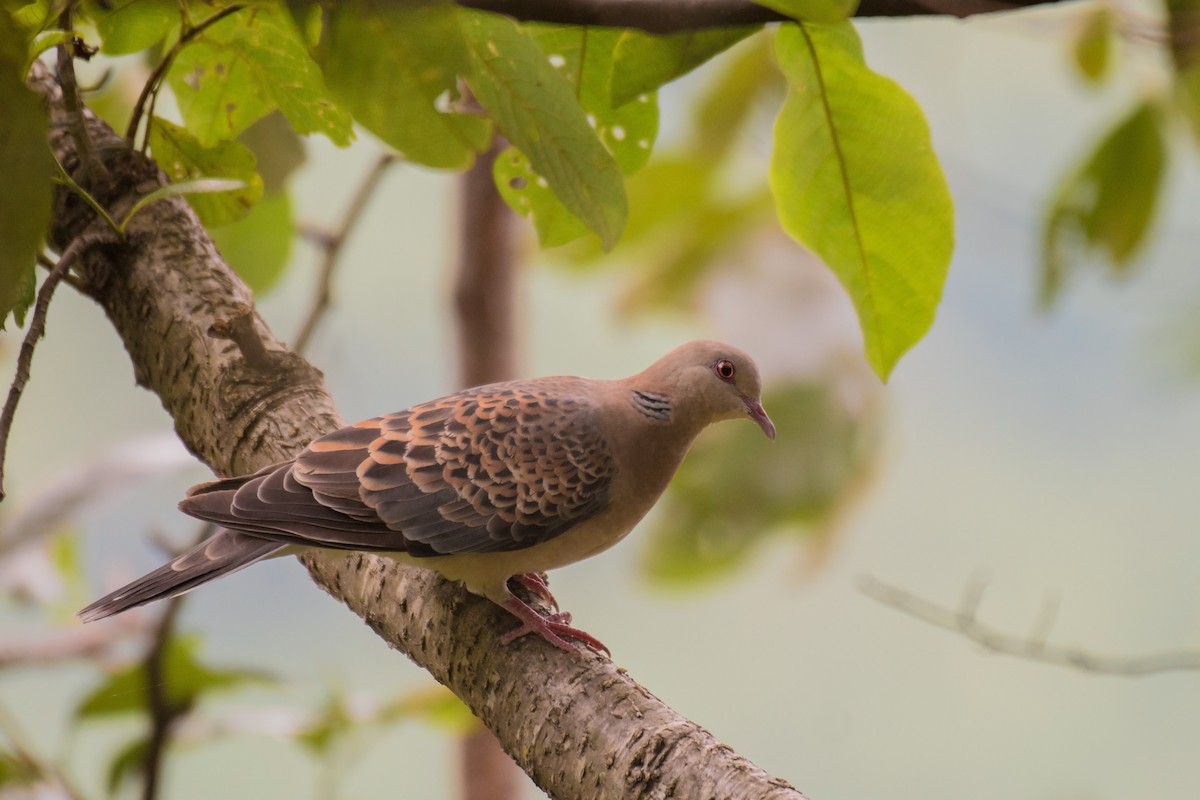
x: 245, y: 66
x: 396, y: 68
x: 536, y: 107
x: 185, y: 677
x: 642, y: 62
x: 856, y: 181
x: 136, y: 25
x: 183, y: 158
x: 28, y: 168
x: 1107, y: 202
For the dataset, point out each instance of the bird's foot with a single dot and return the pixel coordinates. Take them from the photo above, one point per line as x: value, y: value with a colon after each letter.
x: 554, y: 628
x: 535, y: 584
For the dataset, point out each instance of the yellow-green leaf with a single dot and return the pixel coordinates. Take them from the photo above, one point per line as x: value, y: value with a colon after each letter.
x: 396, y: 68
x: 856, y: 180
x: 136, y: 25
x: 826, y: 11
x: 536, y: 108
x: 184, y: 159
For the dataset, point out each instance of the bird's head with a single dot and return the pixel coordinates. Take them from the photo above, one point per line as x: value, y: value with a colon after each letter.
x: 715, y: 381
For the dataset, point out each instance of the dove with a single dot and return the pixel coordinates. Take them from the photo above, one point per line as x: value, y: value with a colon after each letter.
x: 490, y: 486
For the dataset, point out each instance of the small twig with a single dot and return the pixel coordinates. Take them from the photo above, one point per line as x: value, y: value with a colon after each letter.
x: 154, y: 82
x: 37, y: 327
x: 162, y: 712
x: 93, y: 169
x: 964, y: 622
x: 241, y: 330
x: 332, y: 243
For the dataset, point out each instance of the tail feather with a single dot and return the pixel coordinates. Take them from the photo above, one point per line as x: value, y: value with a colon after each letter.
x: 222, y: 554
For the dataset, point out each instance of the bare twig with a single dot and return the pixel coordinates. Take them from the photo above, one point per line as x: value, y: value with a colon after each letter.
x: 332, y: 243
x: 154, y: 82
x: 92, y: 167
x: 964, y: 622
x: 162, y: 712
x: 484, y: 298
x: 37, y: 327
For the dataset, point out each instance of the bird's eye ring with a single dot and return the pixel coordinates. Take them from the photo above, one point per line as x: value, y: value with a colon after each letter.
x: 724, y: 369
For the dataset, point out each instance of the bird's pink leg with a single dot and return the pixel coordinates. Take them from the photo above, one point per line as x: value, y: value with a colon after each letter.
x: 535, y: 584
x: 555, y: 628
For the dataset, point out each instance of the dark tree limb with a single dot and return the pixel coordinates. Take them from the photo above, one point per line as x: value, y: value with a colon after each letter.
x: 484, y: 301
x: 574, y: 721
x: 677, y: 16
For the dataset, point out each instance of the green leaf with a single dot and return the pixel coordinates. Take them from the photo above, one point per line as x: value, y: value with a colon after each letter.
x: 136, y: 25
x: 186, y: 679
x: 258, y: 246
x: 185, y: 160
x: 1108, y: 201
x: 129, y: 760
x: 196, y: 186
x: 856, y: 180
x: 642, y: 62
x: 396, y: 68
x: 1093, y: 45
x: 746, y: 79
x: 34, y: 17
x: 435, y: 705
x: 245, y: 66
x: 824, y: 11
x: 16, y: 771
x: 28, y: 169
x: 536, y: 108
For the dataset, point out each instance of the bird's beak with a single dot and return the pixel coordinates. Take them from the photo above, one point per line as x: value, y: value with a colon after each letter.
x: 759, y: 414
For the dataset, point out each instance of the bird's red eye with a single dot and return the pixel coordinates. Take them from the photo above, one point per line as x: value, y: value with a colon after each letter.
x: 724, y: 369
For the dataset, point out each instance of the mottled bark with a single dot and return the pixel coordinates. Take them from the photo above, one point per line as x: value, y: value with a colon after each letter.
x: 240, y: 400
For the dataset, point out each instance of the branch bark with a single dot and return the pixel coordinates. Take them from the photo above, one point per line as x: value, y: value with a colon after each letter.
x: 677, y: 16
x: 576, y: 723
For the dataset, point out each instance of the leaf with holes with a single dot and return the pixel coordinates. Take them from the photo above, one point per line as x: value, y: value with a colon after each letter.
x: 245, y: 66
x: 403, y: 86
x: 856, y: 180
x: 537, y: 109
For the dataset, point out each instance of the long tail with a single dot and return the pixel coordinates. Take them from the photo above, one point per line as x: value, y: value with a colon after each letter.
x: 219, y: 555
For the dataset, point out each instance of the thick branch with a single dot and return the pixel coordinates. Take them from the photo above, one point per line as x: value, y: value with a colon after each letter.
x: 676, y: 16
x: 579, y: 725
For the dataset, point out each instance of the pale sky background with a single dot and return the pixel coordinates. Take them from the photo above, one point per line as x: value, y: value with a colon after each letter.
x: 1056, y: 454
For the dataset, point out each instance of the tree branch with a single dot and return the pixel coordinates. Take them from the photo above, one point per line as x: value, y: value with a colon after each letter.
x: 964, y: 622
x: 677, y: 16
x: 574, y: 721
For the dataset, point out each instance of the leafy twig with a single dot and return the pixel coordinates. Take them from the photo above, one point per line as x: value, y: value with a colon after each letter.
x: 37, y: 327
x: 154, y: 82
x: 92, y: 167
x: 332, y: 244
x: 964, y: 622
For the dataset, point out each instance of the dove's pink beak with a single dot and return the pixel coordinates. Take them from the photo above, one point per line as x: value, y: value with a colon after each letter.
x: 759, y: 414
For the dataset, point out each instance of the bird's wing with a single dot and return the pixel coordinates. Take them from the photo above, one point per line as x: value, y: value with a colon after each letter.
x: 499, y: 468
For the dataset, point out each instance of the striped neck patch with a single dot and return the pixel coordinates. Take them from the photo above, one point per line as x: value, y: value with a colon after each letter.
x: 654, y: 405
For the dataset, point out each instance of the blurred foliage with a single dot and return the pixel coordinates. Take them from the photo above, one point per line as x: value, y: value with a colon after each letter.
x: 732, y: 492
x: 1093, y: 45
